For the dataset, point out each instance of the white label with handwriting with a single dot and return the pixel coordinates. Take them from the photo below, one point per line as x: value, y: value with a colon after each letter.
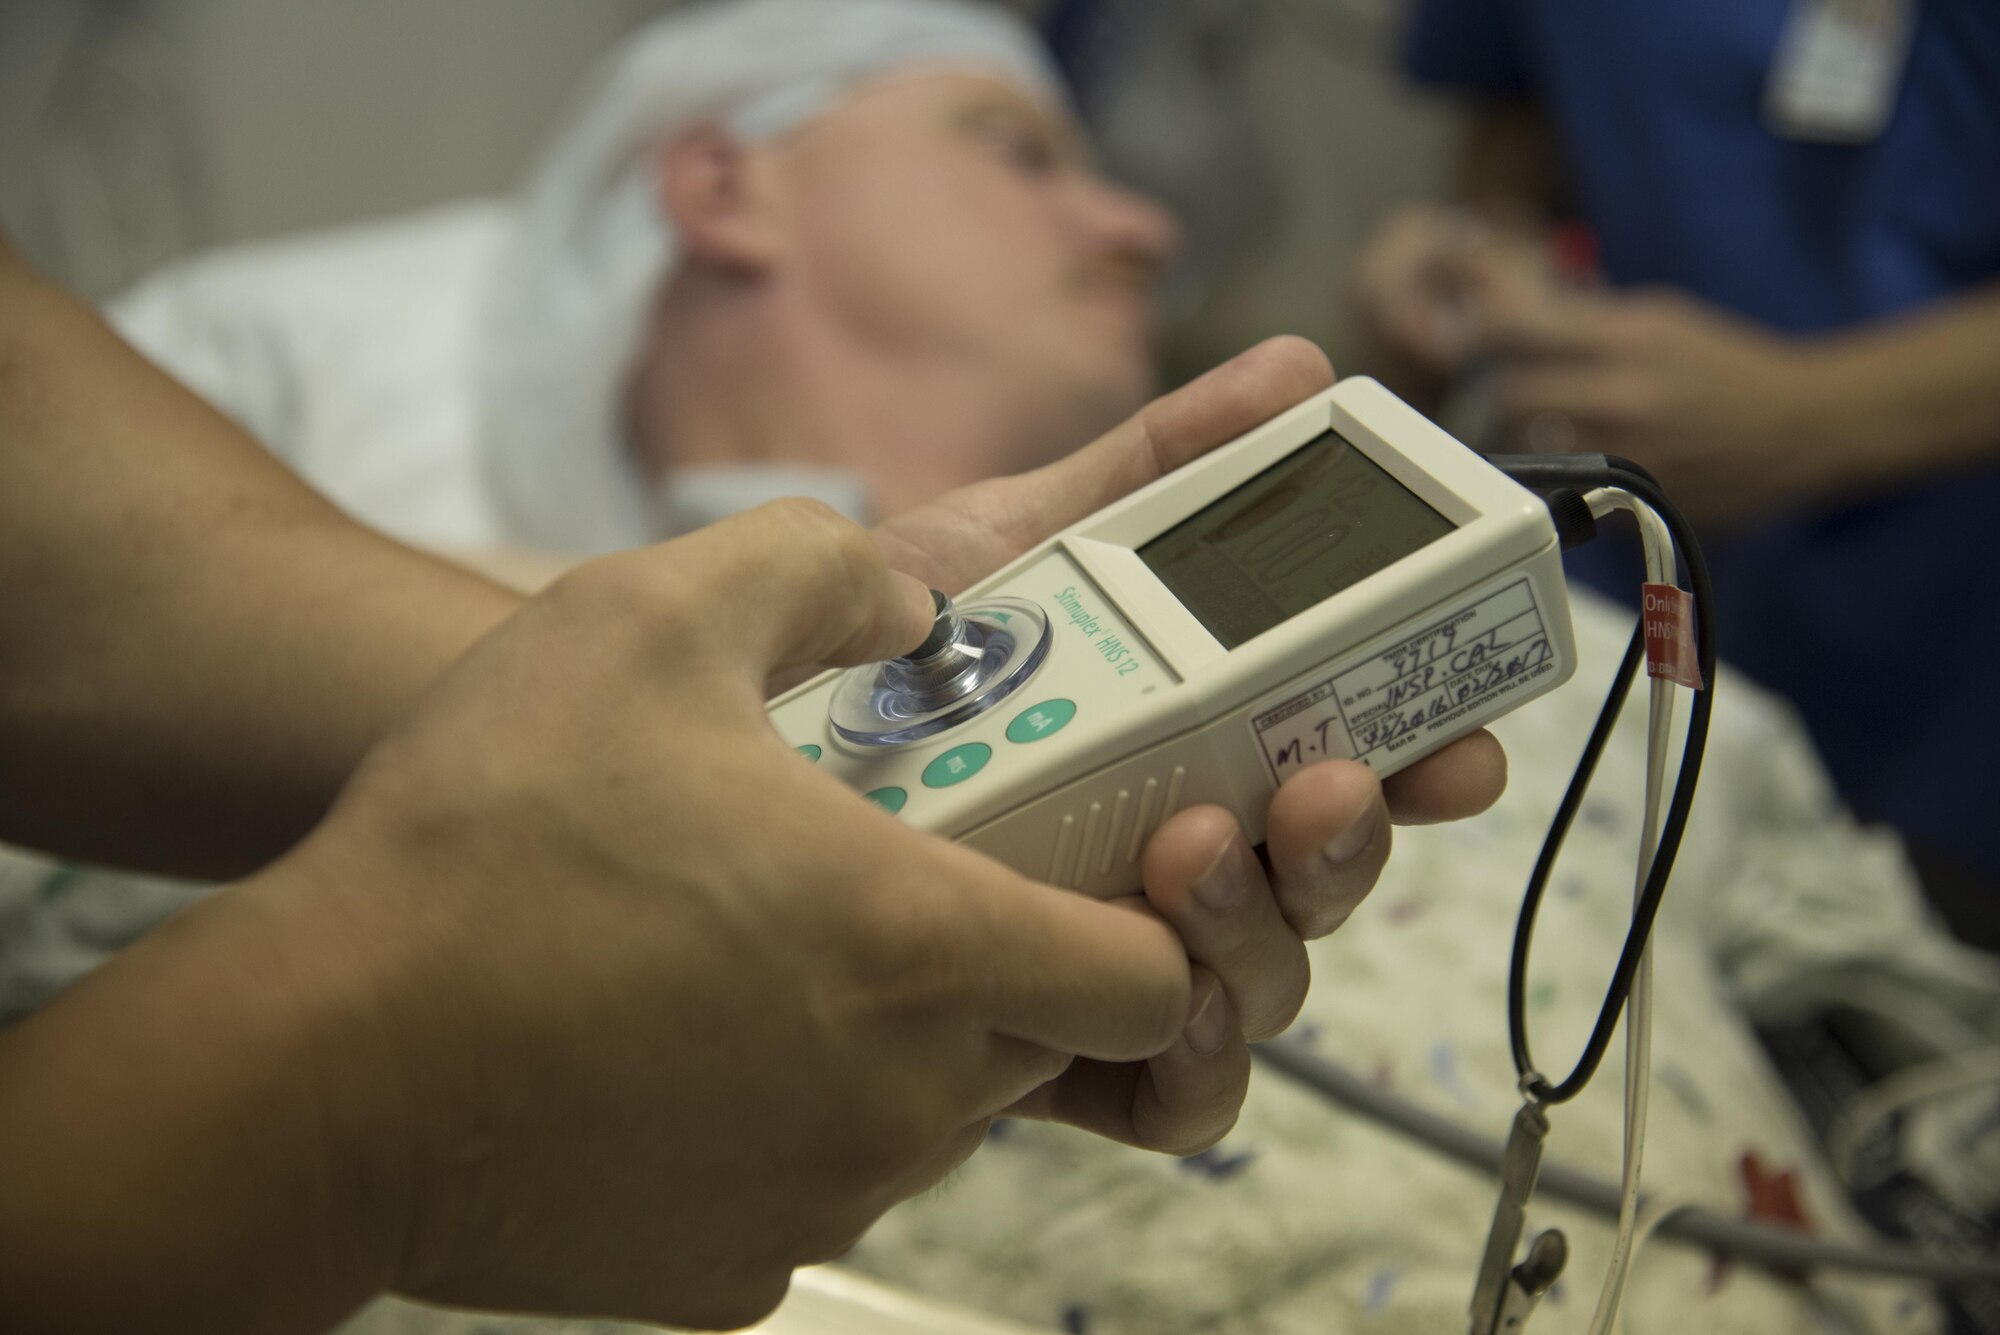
x: 1409, y: 690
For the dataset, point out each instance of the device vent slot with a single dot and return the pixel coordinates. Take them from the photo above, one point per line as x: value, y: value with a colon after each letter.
x: 1119, y: 811
x: 1174, y: 784
x: 1065, y: 843
x: 1148, y: 796
x: 1093, y: 826
x: 1172, y: 802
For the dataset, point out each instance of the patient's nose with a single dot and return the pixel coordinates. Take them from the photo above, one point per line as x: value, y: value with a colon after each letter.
x: 1129, y: 224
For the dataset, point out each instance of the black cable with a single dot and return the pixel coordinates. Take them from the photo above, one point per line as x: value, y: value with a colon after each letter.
x: 1538, y: 880
x: 1546, y: 471
x: 1575, y: 524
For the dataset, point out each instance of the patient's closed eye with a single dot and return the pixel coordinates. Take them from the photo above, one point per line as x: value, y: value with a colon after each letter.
x: 1016, y: 139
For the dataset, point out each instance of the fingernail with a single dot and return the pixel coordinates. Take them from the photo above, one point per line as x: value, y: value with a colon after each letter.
x: 1209, y: 1029
x: 1225, y: 883
x: 1353, y: 841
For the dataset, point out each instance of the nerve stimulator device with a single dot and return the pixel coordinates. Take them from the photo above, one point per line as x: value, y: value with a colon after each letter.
x: 1344, y: 581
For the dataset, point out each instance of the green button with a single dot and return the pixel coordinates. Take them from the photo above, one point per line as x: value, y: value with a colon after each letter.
x: 889, y: 799
x: 1044, y: 720
x: 809, y: 751
x: 957, y: 765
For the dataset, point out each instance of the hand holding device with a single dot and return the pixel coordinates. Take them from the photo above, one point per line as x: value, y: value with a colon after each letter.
x: 493, y: 1049
x: 662, y: 1018
x: 1327, y: 829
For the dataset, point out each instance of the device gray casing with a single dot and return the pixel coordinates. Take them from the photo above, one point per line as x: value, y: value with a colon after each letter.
x: 1165, y: 719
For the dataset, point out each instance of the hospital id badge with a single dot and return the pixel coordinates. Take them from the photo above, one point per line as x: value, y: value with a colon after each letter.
x: 1838, y: 68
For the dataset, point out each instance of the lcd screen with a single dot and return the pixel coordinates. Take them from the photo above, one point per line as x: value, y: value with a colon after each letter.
x: 1320, y: 520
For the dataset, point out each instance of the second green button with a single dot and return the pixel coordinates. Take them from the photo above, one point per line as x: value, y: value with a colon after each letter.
x: 957, y: 765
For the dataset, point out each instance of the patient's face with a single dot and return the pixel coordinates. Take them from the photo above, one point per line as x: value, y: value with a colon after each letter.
x: 951, y: 219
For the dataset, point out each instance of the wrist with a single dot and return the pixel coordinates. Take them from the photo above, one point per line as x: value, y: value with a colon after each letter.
x: 355, y: 1111
x: 1826, y: 412
x: 409, y: 1123
x: 174, y: 1159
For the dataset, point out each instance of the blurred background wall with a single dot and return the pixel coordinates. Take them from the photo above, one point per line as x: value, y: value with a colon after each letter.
x: 136, y: 131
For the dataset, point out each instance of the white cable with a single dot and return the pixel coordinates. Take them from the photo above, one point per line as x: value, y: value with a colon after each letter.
x: 1661, y: 568
x: 1914, y: 1084
x: 1656, y: 1211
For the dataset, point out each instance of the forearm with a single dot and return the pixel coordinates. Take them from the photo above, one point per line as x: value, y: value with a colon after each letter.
x: 195, y: 649
x: 1902, y: 399
x: 175, y: 1145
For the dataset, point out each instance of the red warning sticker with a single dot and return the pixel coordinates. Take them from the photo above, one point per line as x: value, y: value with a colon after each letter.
x: 1669, y: 613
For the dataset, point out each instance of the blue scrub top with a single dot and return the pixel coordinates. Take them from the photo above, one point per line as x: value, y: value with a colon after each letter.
x: 1875, y: 620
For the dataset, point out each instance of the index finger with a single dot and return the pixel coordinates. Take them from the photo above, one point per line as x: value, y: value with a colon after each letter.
x: 1452, y: 783
x: 787, y: 583
x: 1246, y: 391
x: 974, y: 530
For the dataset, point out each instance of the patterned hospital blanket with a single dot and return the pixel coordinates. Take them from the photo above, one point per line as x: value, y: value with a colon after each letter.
x: 1307, y: 1219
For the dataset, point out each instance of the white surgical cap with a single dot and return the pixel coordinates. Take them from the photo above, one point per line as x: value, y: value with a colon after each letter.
x: 569, y: 297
